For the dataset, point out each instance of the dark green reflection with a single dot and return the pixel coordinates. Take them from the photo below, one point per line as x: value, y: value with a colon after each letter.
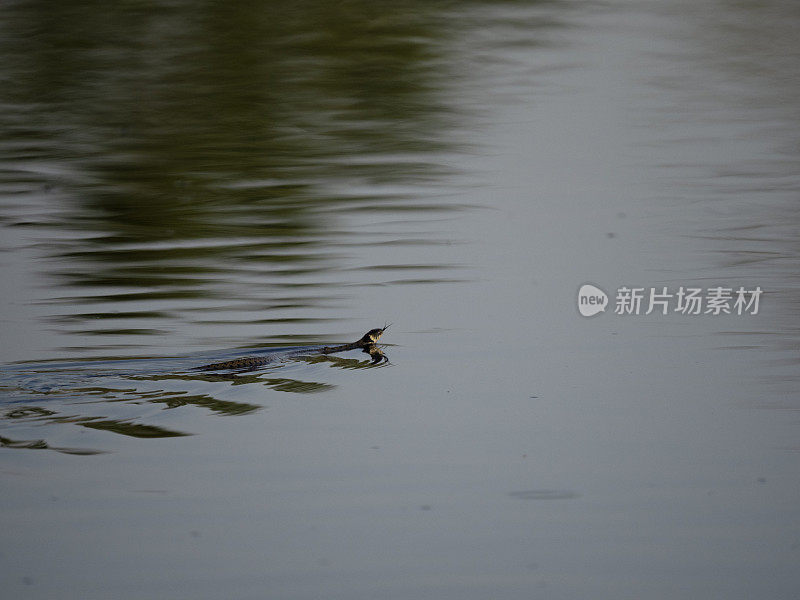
x: 131, y: 429
x: 43, y: 445
x: 210, y: 151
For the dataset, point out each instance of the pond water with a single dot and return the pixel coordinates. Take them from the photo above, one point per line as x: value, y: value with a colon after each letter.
x: 188, y: 183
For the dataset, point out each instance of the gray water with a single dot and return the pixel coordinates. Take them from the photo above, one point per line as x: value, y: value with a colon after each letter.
x: 183, y: 183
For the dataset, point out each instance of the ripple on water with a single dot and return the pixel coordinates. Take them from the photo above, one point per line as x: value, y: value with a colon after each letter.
x: 545, y: 494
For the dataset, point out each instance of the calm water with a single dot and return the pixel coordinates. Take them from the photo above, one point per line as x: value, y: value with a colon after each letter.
x: 185, y: 183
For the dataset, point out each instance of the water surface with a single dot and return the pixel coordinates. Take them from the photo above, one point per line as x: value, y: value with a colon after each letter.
x: 187, y: 183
